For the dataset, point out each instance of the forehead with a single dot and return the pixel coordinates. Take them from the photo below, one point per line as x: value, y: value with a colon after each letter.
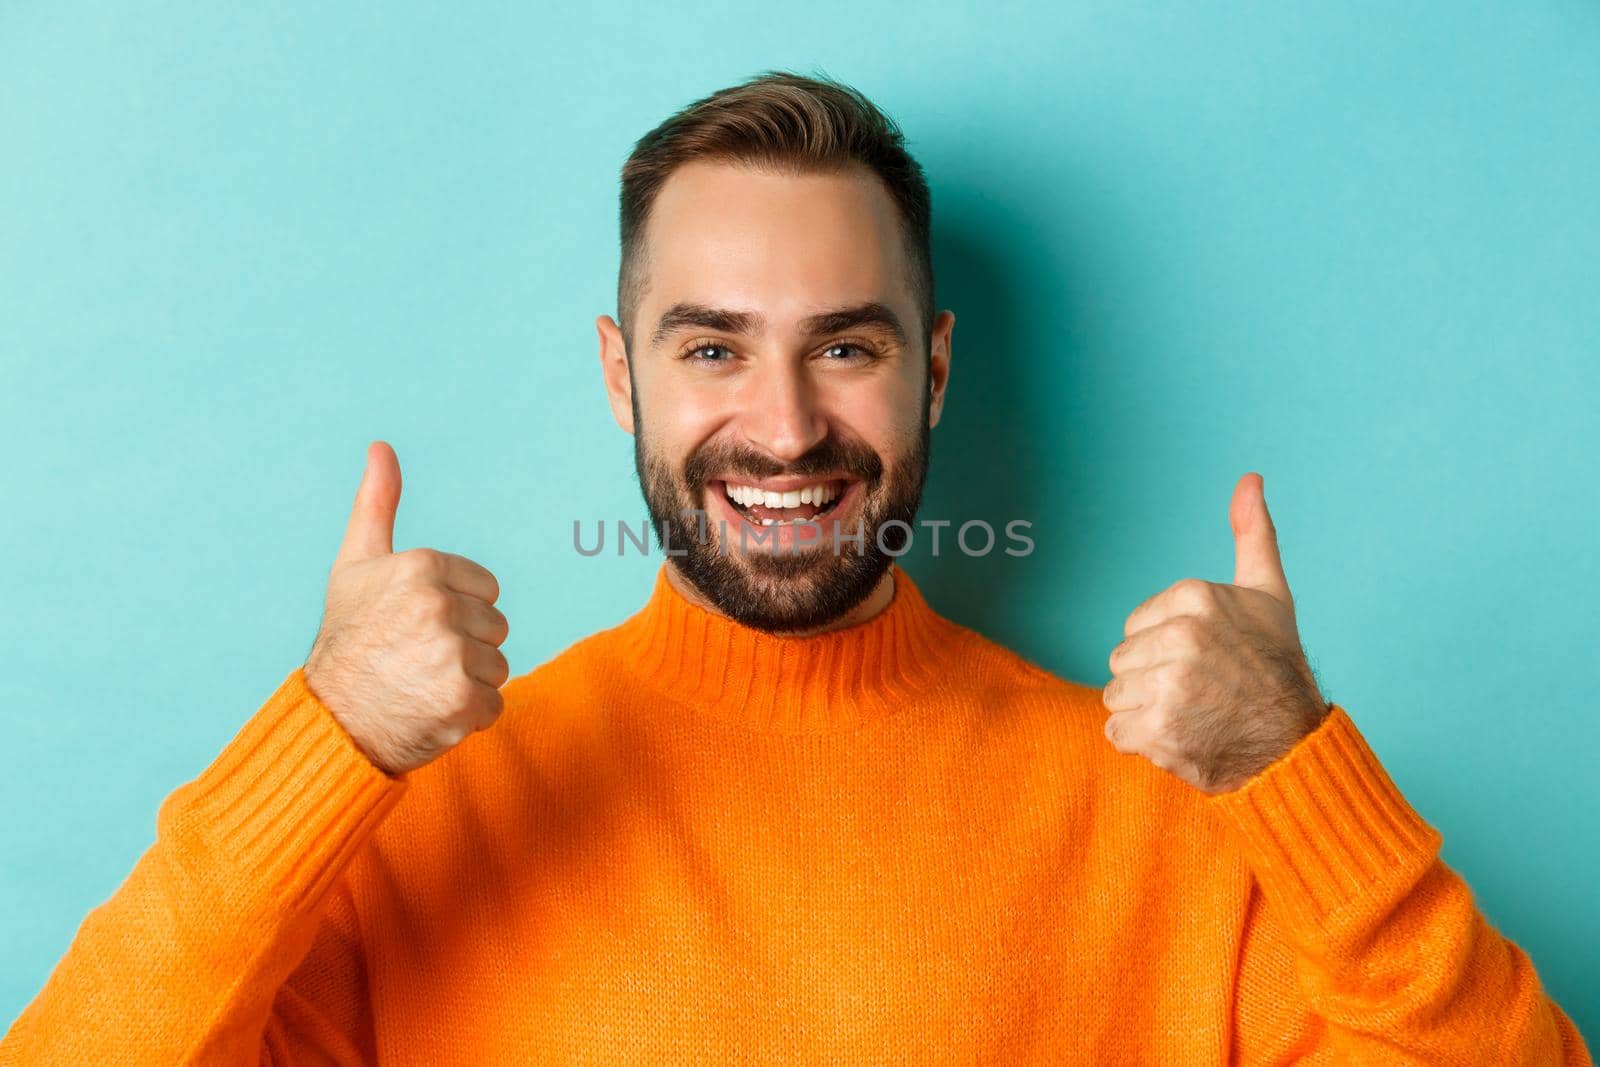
x: 734, y: 235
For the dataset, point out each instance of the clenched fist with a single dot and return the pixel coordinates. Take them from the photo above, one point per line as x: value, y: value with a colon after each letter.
x: 1210, y: 682
x: 408, y: 656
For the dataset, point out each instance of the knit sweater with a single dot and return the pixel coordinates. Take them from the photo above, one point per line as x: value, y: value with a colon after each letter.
x: 687, y: 841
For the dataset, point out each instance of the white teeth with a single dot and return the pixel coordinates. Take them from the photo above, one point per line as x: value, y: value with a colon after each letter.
x: 746, y: 495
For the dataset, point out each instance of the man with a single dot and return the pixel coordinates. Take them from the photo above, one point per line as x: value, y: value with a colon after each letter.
x: 786, y: 812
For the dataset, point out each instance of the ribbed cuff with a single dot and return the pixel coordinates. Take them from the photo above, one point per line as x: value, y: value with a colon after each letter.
x: 281, y: 810
x: 1325, y: 826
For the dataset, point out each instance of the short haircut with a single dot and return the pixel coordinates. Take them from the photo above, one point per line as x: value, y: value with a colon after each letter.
x: 787, y: 122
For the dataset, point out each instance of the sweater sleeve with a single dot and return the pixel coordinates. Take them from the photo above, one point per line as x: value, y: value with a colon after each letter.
x: 1360, y: 944
x: 189, y: 960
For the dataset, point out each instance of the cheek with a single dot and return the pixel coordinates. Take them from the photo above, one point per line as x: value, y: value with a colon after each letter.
x: 678, y: 419
x: 886, y: 415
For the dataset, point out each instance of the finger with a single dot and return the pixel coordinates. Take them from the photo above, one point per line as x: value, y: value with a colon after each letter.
x: 465, y: 576
x: 481, y: 620
x: 1188, y: 596
x: 1124, y: 732
x: 370, y: 531
x: 486, y: 664
x: 491, y: 702
x: 1257, y: 564
x: 1140, y: 649
x: 1130, y: 691
x: 1173, y: 638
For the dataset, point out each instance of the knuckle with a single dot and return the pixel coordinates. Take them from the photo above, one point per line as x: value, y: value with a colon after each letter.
x: 453, y: 733
x: 450, y: 731
x: 462, y: 684
x: 431, y: 607
x: 1158, y: 721
x: 420, y: 562
x: 1188, y: 633
x: 444, y: 658
x: 1182, y: 682
x: 1135, y: 620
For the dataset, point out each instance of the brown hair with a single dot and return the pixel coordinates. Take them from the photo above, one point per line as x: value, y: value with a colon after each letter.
x: 786, y: 121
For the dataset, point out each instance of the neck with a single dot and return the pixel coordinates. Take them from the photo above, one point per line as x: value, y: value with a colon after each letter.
x: 880, y: 598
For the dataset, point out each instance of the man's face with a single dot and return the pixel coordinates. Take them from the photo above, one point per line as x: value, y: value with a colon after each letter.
x: 778, y: 349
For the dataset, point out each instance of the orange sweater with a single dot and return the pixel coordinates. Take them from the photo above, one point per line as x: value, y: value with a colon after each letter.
x: 686, y: 841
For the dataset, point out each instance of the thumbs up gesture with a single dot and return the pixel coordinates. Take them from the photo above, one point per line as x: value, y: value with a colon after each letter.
x: 408, y: 656
x: 1210, y: 682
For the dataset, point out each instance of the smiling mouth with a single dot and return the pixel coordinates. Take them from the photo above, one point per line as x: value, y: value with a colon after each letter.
x: 785, y: 507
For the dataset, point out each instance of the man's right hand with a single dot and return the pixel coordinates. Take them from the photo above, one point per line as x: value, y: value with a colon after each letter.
x: 408, y: 656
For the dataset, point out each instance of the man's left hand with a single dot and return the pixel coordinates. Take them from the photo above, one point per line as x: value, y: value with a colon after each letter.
x: 1210, y: 682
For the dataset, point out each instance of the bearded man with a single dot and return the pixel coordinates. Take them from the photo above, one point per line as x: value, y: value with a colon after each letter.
x: 786, y: 812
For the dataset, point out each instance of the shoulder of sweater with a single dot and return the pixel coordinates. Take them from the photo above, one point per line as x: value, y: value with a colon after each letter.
x: 1003, y: 666
x: 1026, y: 701
x: 553, y: 698
x: 573, y: 678
x: 562, y: 669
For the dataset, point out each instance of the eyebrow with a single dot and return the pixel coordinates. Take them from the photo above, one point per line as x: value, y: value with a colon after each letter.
x: 686, y: 315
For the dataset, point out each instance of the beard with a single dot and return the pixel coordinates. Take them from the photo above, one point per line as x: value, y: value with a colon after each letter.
x: 780, y: 590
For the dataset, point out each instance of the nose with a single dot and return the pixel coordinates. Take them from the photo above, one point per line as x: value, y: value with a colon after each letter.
x: 781, y: 413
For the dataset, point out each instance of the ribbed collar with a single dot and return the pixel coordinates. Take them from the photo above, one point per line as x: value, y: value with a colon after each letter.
x: 789, y: 685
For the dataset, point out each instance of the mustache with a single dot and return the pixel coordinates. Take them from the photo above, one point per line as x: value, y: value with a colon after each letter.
x: 831, y: 454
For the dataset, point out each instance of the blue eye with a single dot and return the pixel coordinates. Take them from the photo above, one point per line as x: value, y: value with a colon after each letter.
x: 694, y: 353
x: 847, y: 352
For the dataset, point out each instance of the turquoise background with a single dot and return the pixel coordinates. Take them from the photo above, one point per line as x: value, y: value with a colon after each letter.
x: 1350, y: 245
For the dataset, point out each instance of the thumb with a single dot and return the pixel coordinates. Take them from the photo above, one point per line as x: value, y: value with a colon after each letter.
x: 1256, y: 564
x: 370, y: 531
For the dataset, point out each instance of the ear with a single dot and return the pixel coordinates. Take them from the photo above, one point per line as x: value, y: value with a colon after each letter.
x: 939, y: 364
x: 614, y: 369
